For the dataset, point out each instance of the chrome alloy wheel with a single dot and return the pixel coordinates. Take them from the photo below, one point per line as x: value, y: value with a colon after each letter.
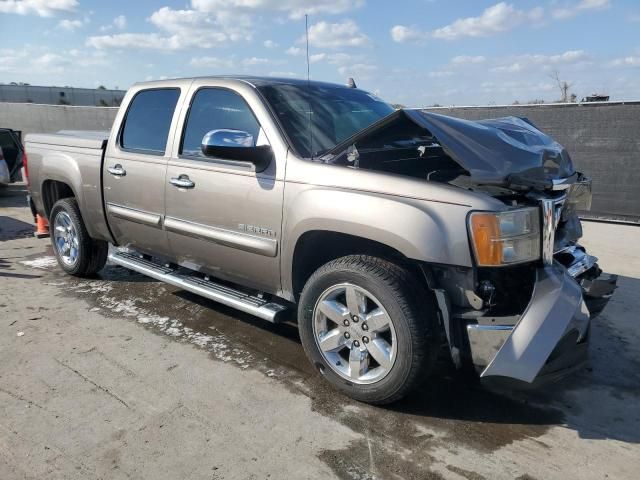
x: 354, y: 333
x: 65, y: 238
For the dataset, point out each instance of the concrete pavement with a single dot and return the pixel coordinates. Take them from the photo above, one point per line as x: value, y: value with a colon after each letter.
x: 125, y: 377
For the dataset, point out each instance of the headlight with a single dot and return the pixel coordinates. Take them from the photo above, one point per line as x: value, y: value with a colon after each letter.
x: 503, y: 238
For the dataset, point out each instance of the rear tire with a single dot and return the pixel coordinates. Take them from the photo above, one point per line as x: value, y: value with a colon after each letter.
x: 385, y: 347
x: 77, y: 253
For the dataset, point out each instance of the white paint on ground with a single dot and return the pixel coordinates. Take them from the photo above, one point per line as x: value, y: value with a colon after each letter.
x: 217, y: 344
x: 41, y: 262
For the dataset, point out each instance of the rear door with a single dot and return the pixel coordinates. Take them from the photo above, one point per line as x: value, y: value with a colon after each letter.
x: 134, y: 170
x: 11, y: 153
x: 228, y: 222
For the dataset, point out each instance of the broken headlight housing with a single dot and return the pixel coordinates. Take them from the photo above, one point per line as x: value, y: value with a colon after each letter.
x: 505, y: 238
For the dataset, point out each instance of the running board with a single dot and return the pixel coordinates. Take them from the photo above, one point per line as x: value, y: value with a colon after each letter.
x: 252, y: 304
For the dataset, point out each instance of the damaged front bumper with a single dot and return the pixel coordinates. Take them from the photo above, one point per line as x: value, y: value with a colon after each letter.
x: 550, y: 338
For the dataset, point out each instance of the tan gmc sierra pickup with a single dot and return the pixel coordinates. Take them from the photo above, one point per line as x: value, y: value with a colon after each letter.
x: 388, y: 235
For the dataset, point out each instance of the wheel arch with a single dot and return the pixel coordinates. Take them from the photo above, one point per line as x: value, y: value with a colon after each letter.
x: 54, y: 190
x: 314, y: 248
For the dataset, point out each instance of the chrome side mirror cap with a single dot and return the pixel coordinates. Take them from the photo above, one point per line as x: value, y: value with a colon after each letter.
x: 237, y: 145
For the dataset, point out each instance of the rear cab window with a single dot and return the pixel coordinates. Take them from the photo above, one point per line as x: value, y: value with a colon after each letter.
x: 148, y: 121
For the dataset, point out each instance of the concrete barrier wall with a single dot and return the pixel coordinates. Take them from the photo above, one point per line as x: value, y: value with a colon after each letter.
x: 34, y: 118
x: 61, y: 95
x: 602, y: 138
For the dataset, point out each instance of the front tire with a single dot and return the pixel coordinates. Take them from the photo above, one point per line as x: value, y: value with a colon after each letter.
x: 77, y: 253
x: 369, y: 327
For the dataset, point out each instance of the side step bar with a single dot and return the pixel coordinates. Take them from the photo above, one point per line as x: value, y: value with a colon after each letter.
x: 254, y: 305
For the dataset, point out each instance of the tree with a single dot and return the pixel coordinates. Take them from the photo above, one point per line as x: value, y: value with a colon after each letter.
x: 563, y: 86
x: 102, y: 87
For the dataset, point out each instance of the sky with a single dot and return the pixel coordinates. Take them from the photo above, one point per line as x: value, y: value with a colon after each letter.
x: 411, y: 52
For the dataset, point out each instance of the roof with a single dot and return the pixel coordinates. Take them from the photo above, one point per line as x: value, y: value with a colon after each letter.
x: 256, y: 81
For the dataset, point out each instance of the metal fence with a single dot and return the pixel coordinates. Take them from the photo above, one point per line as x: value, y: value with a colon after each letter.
x: 95, y: 97
x: 603, y: 140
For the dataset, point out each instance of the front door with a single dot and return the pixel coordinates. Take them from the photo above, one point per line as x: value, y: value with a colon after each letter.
x: 135, y: 169
x: 223, y: 217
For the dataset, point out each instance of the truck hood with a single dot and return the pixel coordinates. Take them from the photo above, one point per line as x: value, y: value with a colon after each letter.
x: 507, y: 151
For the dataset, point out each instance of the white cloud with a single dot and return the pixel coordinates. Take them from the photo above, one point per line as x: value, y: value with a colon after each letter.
x: 253, y: 61
x: 331, y: 58
x: 120, y: 22
x: 294, y: 51
x: 403, y: 33
x: 580, y: 7
x: 70, y: 25
x: 466, y: 59
x: 630, y: 61
x: 336, y: 35
x: 440, y: 74
x: 43, y: 8
x: 211, y: 62
x: 296, y: 9
x: 214, y: 23
x: 41, y: 60
x: 317, y: 57
x: 523, y: 62
x: 133, y: 40
x: 493, y: 20
x: 284, y: 74
x: 197, y: 28
x: 182, y: 29
x: 496, y: 19
x: 362, y: 70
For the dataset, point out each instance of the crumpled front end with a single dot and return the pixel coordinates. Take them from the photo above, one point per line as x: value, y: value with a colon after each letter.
x: 548, y: 337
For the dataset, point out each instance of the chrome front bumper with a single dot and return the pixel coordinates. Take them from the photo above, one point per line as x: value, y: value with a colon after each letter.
x: 556, y: 306
x: 555, y: 324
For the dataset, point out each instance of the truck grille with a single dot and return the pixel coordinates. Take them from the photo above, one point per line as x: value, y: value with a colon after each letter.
x: 551, y: 209
x: 560, y: 212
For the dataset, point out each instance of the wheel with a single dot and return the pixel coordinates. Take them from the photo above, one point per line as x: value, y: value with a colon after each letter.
x: 77, y: 253
x: 369, y: 327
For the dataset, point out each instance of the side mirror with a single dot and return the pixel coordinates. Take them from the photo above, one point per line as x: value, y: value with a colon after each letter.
x: 236, y: 145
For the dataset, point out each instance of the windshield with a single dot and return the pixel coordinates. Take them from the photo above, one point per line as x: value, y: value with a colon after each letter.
x: 317, y: 117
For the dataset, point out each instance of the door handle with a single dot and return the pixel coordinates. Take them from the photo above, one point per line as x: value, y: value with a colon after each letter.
x: 117, y: 170
x: 182, y: 181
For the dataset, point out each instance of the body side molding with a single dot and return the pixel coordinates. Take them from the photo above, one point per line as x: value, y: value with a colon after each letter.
x: 242, y: 241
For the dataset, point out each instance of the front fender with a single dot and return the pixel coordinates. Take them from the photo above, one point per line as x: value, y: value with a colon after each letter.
x: 428, y: 231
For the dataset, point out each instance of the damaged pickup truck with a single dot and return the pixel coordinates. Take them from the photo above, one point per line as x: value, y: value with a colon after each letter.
x: 395, y: 234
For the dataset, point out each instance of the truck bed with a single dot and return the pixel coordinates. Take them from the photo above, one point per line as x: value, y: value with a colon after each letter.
x: 75, y: 159
x: 71, y: 138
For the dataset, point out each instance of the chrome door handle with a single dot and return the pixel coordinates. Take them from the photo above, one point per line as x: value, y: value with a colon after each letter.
x: 182, y: 182
x: 117, y: 170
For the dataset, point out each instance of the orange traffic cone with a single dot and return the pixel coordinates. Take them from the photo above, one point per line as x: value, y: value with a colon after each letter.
x: 42, y: 227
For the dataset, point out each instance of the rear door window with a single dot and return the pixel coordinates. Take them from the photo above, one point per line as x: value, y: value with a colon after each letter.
x: 148, y: 120
x: 213, y: 109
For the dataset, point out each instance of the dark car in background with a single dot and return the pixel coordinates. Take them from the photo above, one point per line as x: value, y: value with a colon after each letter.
x: 11, y: 156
